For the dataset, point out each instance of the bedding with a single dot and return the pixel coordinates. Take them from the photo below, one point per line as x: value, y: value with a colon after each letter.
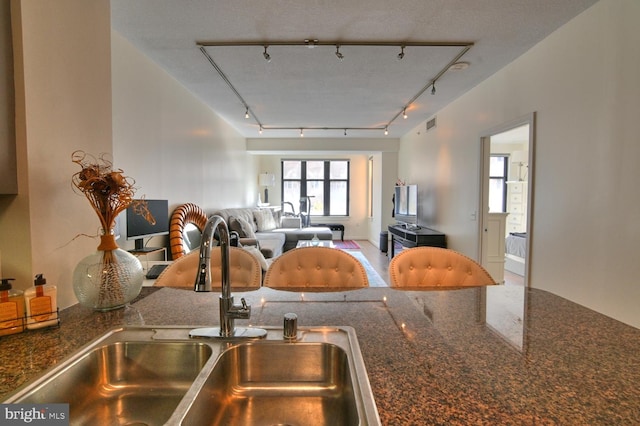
x: 516, y: 244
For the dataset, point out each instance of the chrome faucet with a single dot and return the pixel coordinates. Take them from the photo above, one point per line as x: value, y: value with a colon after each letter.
x: 229, y: 312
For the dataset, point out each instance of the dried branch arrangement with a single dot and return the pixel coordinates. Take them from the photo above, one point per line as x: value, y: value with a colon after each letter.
x: 109, y: 192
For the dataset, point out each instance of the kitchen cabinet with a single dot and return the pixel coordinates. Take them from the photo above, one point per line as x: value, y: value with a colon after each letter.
x: 8, y: 165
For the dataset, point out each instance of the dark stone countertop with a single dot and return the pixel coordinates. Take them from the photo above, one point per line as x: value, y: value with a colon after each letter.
x: 493, y: 356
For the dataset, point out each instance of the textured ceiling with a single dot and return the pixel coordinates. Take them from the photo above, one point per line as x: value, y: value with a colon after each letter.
x: 302, y: 87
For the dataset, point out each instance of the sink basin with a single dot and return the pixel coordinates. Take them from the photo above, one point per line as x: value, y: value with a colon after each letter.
x: 277, y: 384
x: 125, y: 383
x: 161, y: 376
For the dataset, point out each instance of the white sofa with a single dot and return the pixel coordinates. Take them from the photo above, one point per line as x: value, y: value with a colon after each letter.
x: 272, y: 238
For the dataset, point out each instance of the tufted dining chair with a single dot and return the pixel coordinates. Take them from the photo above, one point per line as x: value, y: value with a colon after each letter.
x: 245, y: 273
x: 182, y: 216
x: 316, y: 269
x: 421, y: 268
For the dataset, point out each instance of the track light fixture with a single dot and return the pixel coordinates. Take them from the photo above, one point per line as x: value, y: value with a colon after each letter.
x: 454, y: 64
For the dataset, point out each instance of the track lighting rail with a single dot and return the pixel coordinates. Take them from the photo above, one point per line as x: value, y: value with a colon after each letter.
x: 312, y: 43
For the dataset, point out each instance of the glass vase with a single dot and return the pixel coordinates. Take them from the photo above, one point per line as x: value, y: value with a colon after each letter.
x: 109, y: 278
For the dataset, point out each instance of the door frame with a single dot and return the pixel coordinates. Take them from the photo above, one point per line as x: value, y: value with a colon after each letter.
x: 485, y: 144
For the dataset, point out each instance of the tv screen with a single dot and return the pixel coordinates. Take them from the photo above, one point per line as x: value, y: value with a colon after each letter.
x: 139, y: 228
x: 406, y: 204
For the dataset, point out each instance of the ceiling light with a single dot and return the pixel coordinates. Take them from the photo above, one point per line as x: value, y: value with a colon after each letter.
x: 260, y: 131
x: 267, y: 57
x: 246, y: 113
x: 401, y: 54
x: 386, y: 130
x: 345, y: 132
x: 311, y: 43
x: 338, y: 54
x: 459, y: 66
x: 433, y: 88
x: 404, y: 113
x: 301, y: 133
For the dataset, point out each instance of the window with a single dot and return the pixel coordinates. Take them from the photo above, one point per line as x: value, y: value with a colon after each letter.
x: 326, y: 182
x: 498, y: 172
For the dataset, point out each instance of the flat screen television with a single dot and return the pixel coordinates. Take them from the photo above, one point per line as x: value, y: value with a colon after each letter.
x: 406, y: 204
x: 138, y: 228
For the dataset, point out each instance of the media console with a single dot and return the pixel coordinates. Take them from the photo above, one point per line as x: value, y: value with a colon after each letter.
x: 415, y: 237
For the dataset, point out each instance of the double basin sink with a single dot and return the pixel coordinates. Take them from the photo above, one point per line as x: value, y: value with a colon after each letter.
x: 159, y: 375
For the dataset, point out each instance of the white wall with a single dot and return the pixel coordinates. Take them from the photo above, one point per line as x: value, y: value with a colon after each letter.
x: 582, y: 82
x: 384, y: 150
x: 173, y: 145
x: 63, y: 103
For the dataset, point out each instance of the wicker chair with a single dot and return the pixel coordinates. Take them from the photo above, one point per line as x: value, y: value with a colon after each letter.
x: 180, y: 218
x: 421, y: 268
x: 316, y: 269
x: 245, y: 273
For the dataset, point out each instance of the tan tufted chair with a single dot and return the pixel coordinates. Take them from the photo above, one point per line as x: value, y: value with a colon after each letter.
x: 421, y: 268
x: 316, y: 269
x: 245, y: 272
x: 181, y: 216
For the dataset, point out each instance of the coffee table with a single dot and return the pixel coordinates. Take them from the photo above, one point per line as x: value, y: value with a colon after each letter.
x: 321, y: 243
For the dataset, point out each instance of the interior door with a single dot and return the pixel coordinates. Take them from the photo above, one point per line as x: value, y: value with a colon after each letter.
x: 514, y: 140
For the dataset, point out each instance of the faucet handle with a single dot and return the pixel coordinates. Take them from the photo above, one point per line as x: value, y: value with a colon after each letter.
x: 290, y: 329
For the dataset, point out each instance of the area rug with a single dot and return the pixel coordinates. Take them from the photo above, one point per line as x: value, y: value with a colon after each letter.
x: 375, y: 280
x: 346, y: 245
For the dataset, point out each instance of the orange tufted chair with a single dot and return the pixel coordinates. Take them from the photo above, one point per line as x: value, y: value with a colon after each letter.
x: 181, y: 216
x: 420, y: 268
x: 245, y: 273
x: 316, y: 269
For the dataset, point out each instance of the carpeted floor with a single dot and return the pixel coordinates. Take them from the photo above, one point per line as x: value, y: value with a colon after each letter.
x: 346, y: 245
x: 375, y: 280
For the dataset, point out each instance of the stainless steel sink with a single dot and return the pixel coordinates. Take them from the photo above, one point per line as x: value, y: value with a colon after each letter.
x: 125, y: 382
x: 277, y: 384
x: 159, y: 375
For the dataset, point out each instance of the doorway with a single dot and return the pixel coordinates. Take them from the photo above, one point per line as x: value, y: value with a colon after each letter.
x: 506, y: 200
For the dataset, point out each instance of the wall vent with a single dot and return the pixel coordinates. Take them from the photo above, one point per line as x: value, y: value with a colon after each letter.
x: 431, y: 123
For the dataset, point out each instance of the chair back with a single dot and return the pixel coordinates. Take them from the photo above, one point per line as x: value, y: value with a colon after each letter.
x: 434, y: 268
x: 316, y: 269
x: 245, y: 273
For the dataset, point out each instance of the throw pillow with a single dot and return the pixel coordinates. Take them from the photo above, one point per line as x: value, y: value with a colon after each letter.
x: 264, y: 219
x: 258, y: 255
x: 246, y: 228
x: 234, y: 225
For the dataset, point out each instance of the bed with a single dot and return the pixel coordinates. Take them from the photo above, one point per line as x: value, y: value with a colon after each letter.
x: 515, y: 252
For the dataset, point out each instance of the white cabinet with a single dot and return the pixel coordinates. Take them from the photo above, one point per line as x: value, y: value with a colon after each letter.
x: 517, y: 206
x: 495, y: 245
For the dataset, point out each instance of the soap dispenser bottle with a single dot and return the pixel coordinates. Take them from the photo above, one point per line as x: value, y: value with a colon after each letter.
x: 11, y: 308
x: 42, y: 304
